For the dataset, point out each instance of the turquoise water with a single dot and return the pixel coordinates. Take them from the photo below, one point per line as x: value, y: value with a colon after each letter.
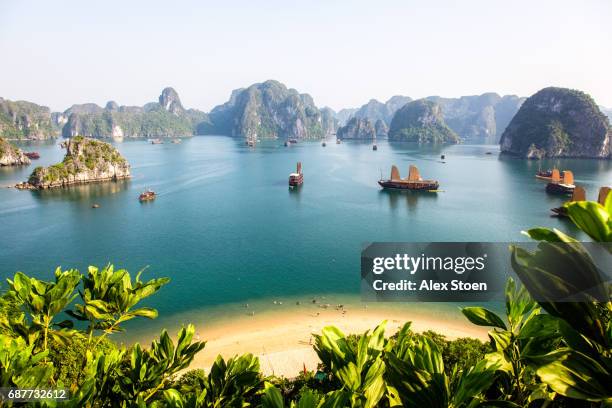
x: 226, y: 228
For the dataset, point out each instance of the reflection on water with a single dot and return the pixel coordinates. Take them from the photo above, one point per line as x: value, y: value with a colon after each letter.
x: 411, y: 198
x: 80, y: 192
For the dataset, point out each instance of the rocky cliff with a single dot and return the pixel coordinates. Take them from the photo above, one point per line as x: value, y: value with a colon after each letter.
x: 375, y: 110
x: 165, y: 118
x: 421, y: 121
x: 11, y: 155
x: 357, y: 128
x: 86, y: 161
x: 26, y: 120
x: 558, y: 122
x: 269, y: 110
x: 381, y: 128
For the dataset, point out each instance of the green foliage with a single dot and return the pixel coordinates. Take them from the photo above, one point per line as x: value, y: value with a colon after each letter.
x: 581, y: 367
x: 20, y: 366
x: 109, y: 298
x: 42, y: 301
x: 421, y: 121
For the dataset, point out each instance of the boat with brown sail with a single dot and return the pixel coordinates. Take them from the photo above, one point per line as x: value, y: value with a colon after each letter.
x: 296, y: 179
x: 560, y: 185
x: 413, y: 182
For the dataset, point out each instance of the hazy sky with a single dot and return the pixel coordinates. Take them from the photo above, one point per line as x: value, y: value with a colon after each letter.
x: 343, y: 53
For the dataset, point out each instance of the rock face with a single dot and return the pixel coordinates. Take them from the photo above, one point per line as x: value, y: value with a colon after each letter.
x: 26, y: 120
x: 343, y: 115
x: 356, y: 128
x: 421, y: 121
x: 86, y: 161
x: 558, y: 122
x: 375, y: 110
x: 166, y: 118
x: 382, y: 130
x: 11, y: 155
x: 479, y: 118
x: 268, y: 110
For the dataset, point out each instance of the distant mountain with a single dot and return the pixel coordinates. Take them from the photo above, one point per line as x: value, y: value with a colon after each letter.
x: 558, y: 122
x: 607, y: 112
x: 375, y: 110
x: 421, y: 121
x: 476, y: 119
x: 343, y: 115
x: 270, y: 110
x: 165, y: 118
x: 479, y: 118
x: 357, y: 128
x: 21, y: 120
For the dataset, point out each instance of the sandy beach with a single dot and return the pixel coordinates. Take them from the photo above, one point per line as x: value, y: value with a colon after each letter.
x: 282, y: 338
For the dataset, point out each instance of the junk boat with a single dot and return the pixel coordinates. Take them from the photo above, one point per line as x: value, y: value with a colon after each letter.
x: 561, y: 186
x: 547, y: 174
x: 147, y: 196
x: 32, y: 155
x: 578, y: 195
x: 412, y: 182
x: 297, y: 178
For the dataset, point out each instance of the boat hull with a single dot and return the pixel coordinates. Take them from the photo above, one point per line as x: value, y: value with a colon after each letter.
x: 412, y: 186
x: 557, y: 188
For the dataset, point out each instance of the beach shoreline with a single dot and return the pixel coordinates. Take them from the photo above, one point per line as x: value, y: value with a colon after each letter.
x: 282, y: 337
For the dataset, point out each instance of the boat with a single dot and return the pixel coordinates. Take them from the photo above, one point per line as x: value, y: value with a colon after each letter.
x: 297, y: 178
x: 157, y: 141
x: 176, y: 141
x: 95, y: 205
x: 147, y: 196
x: 32, y: 155
x: 374, y: 147
x: 561, y: 186
x: 338, y: 141
x: 412, y: 182
x: 323, y: 144
x: 286, y: 143
x: 442, y: 157
x: 548, y: 174
x: 579, y: 194
x: 293, y: 140
x: 250, y: 143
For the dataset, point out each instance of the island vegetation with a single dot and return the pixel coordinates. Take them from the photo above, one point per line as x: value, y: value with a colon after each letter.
x: 86, y: 160
x: 421, y: 121
x: 11, y: 155
x: 58, y: 334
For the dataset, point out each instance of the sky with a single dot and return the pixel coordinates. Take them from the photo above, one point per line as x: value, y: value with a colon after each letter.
x: 343, y: 53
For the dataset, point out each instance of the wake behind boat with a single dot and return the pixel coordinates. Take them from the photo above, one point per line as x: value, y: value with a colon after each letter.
x: 412, y: 182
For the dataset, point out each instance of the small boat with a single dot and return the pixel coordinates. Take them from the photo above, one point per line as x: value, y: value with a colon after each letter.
x: 286, y: 143
x: 32, y: 155
x: 297, y: 178
x: 561, y: 186
x: 442, y: 157
x: 95, y: 205
x: 374, y: 147
x: 157, y: 141
x: 578, y: 195
x: 549, y: 175
x: 293, y: 140
x: 176, y: 141
x: 338, y: 141
x: 323, y: 144
x: 147, y: 196
x: 412, y: 182
x: 250, y: 143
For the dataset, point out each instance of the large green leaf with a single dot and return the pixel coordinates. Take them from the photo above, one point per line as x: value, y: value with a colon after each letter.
x: 483, y: 317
